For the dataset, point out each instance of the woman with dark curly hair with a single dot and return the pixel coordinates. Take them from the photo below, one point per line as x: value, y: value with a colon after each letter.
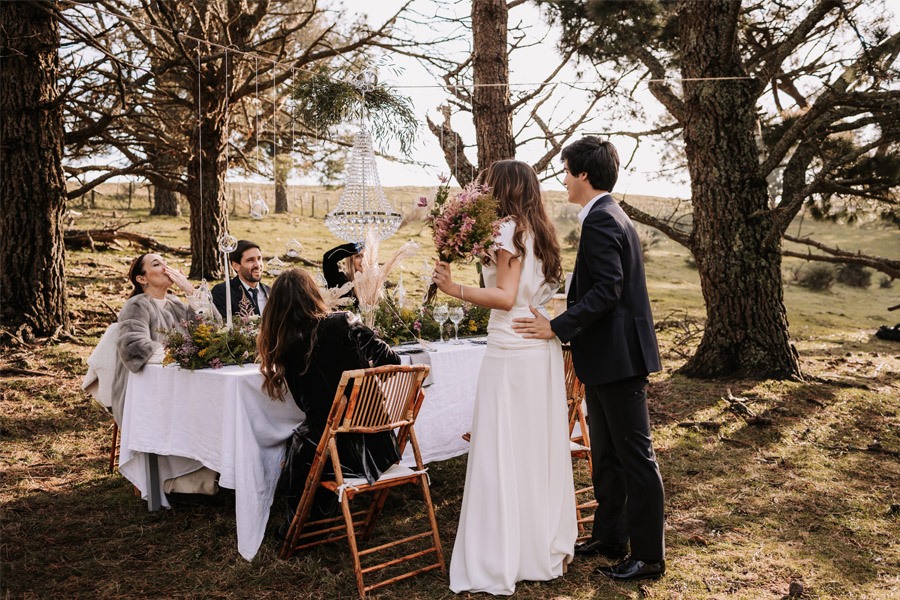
x: 305, y: 349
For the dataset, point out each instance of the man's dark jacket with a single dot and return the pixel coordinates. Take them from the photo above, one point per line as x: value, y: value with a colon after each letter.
x: 608, y: 320
x: 237, y: 293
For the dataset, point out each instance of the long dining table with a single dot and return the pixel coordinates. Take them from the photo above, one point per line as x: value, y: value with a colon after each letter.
x: 176, y: 421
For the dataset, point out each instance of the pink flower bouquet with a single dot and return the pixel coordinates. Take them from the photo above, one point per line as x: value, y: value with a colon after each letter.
x: 464, y: 225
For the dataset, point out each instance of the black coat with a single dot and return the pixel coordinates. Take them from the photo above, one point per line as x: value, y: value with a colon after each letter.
x: 237, y: 293
x: 340, y: 345
x: 608, y: 319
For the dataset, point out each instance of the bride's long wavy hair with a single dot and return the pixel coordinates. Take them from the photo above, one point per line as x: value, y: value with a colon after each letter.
x: 294, y: 309
x: 516, y: 187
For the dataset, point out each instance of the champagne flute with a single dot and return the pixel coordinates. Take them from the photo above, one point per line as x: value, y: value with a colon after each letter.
x: 456, y: 315
x: 440, y: 314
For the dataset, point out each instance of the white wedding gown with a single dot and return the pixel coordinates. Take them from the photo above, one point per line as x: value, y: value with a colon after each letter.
x: 518, y: 512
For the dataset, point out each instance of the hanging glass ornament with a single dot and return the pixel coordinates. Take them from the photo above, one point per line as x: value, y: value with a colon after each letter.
x: 400, y: 292
x: 258, y: 208
x: 275, y: 267
x: 363, y: 205
x: 203, y: 300
x: 293, y: 248
x: 227, y: 243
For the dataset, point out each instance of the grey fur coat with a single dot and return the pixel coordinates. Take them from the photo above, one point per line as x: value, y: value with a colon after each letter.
x: 139, y: 338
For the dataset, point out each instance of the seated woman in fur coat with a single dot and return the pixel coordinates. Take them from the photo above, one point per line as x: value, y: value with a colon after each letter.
x: 304, y: 348
x: 149, y: 309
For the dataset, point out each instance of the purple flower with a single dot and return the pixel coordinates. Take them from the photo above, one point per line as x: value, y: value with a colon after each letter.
x: 417, y: 326
x: 423, y: 202
x: 216, y: 363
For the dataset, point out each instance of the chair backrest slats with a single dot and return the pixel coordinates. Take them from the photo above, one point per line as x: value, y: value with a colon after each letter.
x: 381, y: 398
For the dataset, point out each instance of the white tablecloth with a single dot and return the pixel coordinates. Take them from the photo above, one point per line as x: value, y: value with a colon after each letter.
x: 223, y: 420
x: 220, y: 418
x: 446, y: 413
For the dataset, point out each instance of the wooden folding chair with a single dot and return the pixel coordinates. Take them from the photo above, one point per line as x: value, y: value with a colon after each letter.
x: 380, y: 399
x: 579, y: 444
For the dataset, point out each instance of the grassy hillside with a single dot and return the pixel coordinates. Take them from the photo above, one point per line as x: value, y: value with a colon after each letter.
x: 809, y: 494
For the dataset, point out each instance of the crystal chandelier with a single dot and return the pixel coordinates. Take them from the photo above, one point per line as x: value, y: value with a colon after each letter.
x: 363, y: 205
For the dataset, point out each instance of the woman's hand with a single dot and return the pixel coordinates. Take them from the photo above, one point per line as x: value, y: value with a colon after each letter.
x: 444, y: 279
x: 179, y: 280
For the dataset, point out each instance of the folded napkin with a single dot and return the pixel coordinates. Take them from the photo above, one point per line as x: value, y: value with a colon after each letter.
x: 423, y: 358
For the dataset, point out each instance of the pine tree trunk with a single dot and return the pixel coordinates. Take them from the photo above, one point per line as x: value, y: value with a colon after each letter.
x: 746, y: 331
x: 32, y: 185
x: 281, y: 172
x: 206, y: 185
x: 165, y: 202
x: 164, y: 160
x: 491, y: 110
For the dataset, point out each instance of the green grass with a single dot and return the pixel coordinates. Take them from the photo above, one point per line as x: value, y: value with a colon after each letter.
x: 813, y: 496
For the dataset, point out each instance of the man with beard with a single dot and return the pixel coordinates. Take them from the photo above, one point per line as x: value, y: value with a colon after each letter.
x: 246, y: 260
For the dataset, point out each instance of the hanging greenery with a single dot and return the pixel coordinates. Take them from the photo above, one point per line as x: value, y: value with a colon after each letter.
x: 323, y: 101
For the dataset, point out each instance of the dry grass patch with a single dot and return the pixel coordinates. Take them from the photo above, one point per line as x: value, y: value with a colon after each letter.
x: 811, y: 496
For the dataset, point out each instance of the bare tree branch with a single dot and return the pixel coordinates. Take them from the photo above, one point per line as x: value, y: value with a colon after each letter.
x: 836, y: 255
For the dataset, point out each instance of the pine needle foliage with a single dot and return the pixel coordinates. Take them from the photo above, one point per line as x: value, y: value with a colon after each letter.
x: 323, y: 101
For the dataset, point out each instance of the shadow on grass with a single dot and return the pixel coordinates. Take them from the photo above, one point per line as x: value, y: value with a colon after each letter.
x: 781, y: 500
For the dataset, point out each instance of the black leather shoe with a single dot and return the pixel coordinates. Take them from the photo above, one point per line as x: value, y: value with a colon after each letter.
x: 632, y: 569
x: 598, y: 548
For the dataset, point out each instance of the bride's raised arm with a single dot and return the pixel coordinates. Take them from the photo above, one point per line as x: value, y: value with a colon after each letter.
x: 502, y: 297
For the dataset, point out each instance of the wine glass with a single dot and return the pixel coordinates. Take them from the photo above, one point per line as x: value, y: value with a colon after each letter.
x: 440, y: 314
x: 456, y: 315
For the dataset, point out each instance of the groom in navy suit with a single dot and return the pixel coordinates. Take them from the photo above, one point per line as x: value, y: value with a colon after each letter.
x: 246, y: 260
x: 610, y: 329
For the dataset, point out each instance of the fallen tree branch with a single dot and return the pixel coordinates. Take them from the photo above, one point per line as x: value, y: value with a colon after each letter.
x: 710, y: 425
x: 12, y: 371
x: 738, y: 406
x: 81, y: 238
x: 874, y: 447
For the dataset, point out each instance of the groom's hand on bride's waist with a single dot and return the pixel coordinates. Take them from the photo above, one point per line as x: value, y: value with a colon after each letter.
x: 533, y: 328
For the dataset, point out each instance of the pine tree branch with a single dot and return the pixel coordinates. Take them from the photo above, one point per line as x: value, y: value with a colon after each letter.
x: 836, y: 255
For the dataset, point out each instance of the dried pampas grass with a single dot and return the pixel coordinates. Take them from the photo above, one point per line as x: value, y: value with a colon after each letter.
x: 333, y: 296
x: 369, y: 282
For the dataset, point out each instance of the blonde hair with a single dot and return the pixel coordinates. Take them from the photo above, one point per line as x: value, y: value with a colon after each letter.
x: 349, y: 267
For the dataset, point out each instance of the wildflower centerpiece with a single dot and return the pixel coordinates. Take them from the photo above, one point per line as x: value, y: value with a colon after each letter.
x: 206, y: 343
x: 464, y: 225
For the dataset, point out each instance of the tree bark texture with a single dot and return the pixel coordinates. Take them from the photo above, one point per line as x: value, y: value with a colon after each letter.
x: 165, y: 160
x: 165, y: 202
x: 32, y: 184
x: 740, y: 271
x: 282, y: 168
x: 206, y: 185
x: 491, y: 109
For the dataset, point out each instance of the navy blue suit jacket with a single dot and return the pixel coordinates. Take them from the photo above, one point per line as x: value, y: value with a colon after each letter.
x: 608, y: 322
x: 237, y: 293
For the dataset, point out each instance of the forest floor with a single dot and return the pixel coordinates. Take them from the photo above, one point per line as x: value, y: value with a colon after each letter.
x: 810, y: 495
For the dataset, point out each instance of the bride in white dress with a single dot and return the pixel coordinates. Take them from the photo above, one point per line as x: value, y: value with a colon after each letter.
x: 518, y: 512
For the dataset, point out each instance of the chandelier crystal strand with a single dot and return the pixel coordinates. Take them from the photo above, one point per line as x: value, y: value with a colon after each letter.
x: 363, y: 205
